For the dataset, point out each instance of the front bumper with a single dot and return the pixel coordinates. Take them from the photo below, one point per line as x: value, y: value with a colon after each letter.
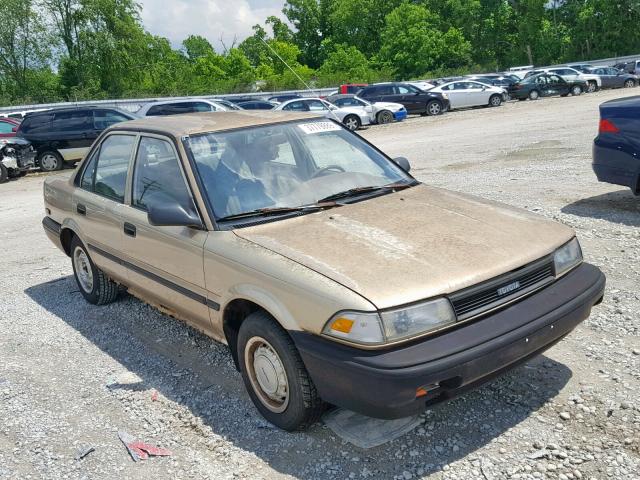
x: 400, y: 115
x: 383, y: 383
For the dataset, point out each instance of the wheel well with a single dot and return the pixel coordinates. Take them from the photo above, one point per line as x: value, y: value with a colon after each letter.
x: 66, y: 235
x: 233, y: 316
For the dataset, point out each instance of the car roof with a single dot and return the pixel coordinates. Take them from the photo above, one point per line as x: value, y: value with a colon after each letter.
x: 169, y: 102
x: 49, y: 111
x: 195, y: 123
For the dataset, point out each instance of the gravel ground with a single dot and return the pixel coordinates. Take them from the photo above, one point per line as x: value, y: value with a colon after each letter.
x: 73, y: 375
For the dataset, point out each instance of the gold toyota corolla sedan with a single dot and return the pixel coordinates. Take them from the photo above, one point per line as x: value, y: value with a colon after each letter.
x: 332, y: 274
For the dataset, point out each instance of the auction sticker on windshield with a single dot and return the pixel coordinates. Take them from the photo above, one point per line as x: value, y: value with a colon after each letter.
x: 319, y: 127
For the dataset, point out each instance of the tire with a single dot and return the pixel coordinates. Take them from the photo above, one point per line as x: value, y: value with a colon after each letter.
x: 50, y: 161
x: 592, y: 87
x: 534, y: 95
x: 94, y: 285
x: 294, y: 403
x: 385, y: 117
x: 576, y: 90
x: 629, y: 83
x: 495, y: 100
x: 434, y: 107
x: 4, y: 173
x: 352, y: 122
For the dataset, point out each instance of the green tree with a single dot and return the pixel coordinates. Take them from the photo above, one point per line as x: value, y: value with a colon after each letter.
x: 345, y: 64
x: 412, y: 44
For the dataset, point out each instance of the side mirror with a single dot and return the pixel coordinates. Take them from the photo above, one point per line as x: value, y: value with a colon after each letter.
x: 403, y: 163
x: 173, y: 215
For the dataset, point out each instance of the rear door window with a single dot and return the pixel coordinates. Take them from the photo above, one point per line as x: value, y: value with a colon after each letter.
x: 112, y: 166
x: 6, y: 127
x: 297, y: 106
x: 73, y: 121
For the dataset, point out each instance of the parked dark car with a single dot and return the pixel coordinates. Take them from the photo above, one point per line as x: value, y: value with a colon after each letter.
x: 413, y: 99
x: 545, y: 85
x: 617, y: 146
x: 65, y: 134
x: 238, y: 100
x: 8, y: 127
x: 257, y: 105
x: 629, y: 67
x: 283, y: 98
x: 614, y: 78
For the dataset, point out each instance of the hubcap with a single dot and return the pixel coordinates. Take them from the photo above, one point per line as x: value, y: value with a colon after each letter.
x: 84, y: 273
x: 352, y: 124
x: 267, y: 374
x: 495, y: 101
x: 629, y: 84
x: 576, y: 91
x: 434, y: 109
x: 48, y: 162
x: 534, y: 95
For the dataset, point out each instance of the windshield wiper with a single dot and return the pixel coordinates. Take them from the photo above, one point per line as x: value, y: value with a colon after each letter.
x: 352, y: 192
x: 265, y: 212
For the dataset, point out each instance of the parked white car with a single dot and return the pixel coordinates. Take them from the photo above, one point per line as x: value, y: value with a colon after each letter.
x: 594, y: 82
x: 469, y: 93
x: 383, y: 112
x: 352, y: 117
x: 176, y: 107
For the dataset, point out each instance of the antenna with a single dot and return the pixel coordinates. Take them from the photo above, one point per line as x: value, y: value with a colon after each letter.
x: 298, y: 76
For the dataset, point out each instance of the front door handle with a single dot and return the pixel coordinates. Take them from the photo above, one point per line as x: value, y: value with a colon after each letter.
x: 129, y: 229
x: 81, y: 209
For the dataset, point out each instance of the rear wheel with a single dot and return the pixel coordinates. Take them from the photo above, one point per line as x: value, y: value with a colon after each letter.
x: 50, y: 161
x: 629, y: 83
x: 495, y: 100
x: 534, y: 95
x: 576, y: 90
x: 274, y: 375
x: 95, y: 286
x: 352, y: 122
x: 434, y: 108
x: 385, y: 117
x: 4, y: 173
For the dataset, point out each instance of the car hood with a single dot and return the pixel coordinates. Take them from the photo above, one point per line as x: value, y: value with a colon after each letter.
x: 394, y: 107
x: 411, y: 245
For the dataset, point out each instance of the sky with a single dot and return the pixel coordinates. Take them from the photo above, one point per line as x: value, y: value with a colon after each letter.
x: 177, y: 19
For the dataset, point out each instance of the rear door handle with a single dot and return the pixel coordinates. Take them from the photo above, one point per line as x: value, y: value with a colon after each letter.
x: 81, y: 209
x: 129, y: 229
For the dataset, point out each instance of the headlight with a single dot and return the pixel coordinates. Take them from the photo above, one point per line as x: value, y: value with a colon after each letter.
x: 390, y: 326
x: 445, y: 96
x: 567, y: 257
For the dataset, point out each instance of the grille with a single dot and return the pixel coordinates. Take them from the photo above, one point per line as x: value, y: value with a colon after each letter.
x: 505, y: 289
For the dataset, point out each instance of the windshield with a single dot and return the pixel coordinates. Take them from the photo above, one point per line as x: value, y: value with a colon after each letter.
x: 286, y: 166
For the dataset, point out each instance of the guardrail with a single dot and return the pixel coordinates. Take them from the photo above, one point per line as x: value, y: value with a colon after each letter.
x: 132, y: 105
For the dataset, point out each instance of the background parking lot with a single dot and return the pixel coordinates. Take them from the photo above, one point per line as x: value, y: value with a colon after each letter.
x: 72, y: 375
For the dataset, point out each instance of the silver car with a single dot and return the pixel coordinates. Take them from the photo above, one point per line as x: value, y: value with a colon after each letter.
x: 469, y: 93
x: 352, y: 117
x: 184, y: 105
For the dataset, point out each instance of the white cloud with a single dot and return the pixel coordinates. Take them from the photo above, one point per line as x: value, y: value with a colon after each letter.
x: 211, y: 19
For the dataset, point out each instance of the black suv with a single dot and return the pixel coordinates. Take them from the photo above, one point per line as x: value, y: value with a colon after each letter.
x: 413, y: 99
x: 65, y: 134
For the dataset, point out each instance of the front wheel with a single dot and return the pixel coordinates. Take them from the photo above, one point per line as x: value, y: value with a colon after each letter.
x: 50, y: 161
x: 385, y: 117
x: 434, y: 108
x: 629, y: 83
x: 495, y: 100
x: 95, y: 286
x: 534, y: 95
x: 274, y: 375
x: 576, y: 90
x: 592, y: 87
x: 352, y: 122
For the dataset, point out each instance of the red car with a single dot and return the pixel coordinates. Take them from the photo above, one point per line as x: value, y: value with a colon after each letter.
x: 351, y: 88
x: 8, y: 127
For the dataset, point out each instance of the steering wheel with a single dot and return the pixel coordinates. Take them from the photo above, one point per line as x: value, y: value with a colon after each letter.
x: 328, y: 168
